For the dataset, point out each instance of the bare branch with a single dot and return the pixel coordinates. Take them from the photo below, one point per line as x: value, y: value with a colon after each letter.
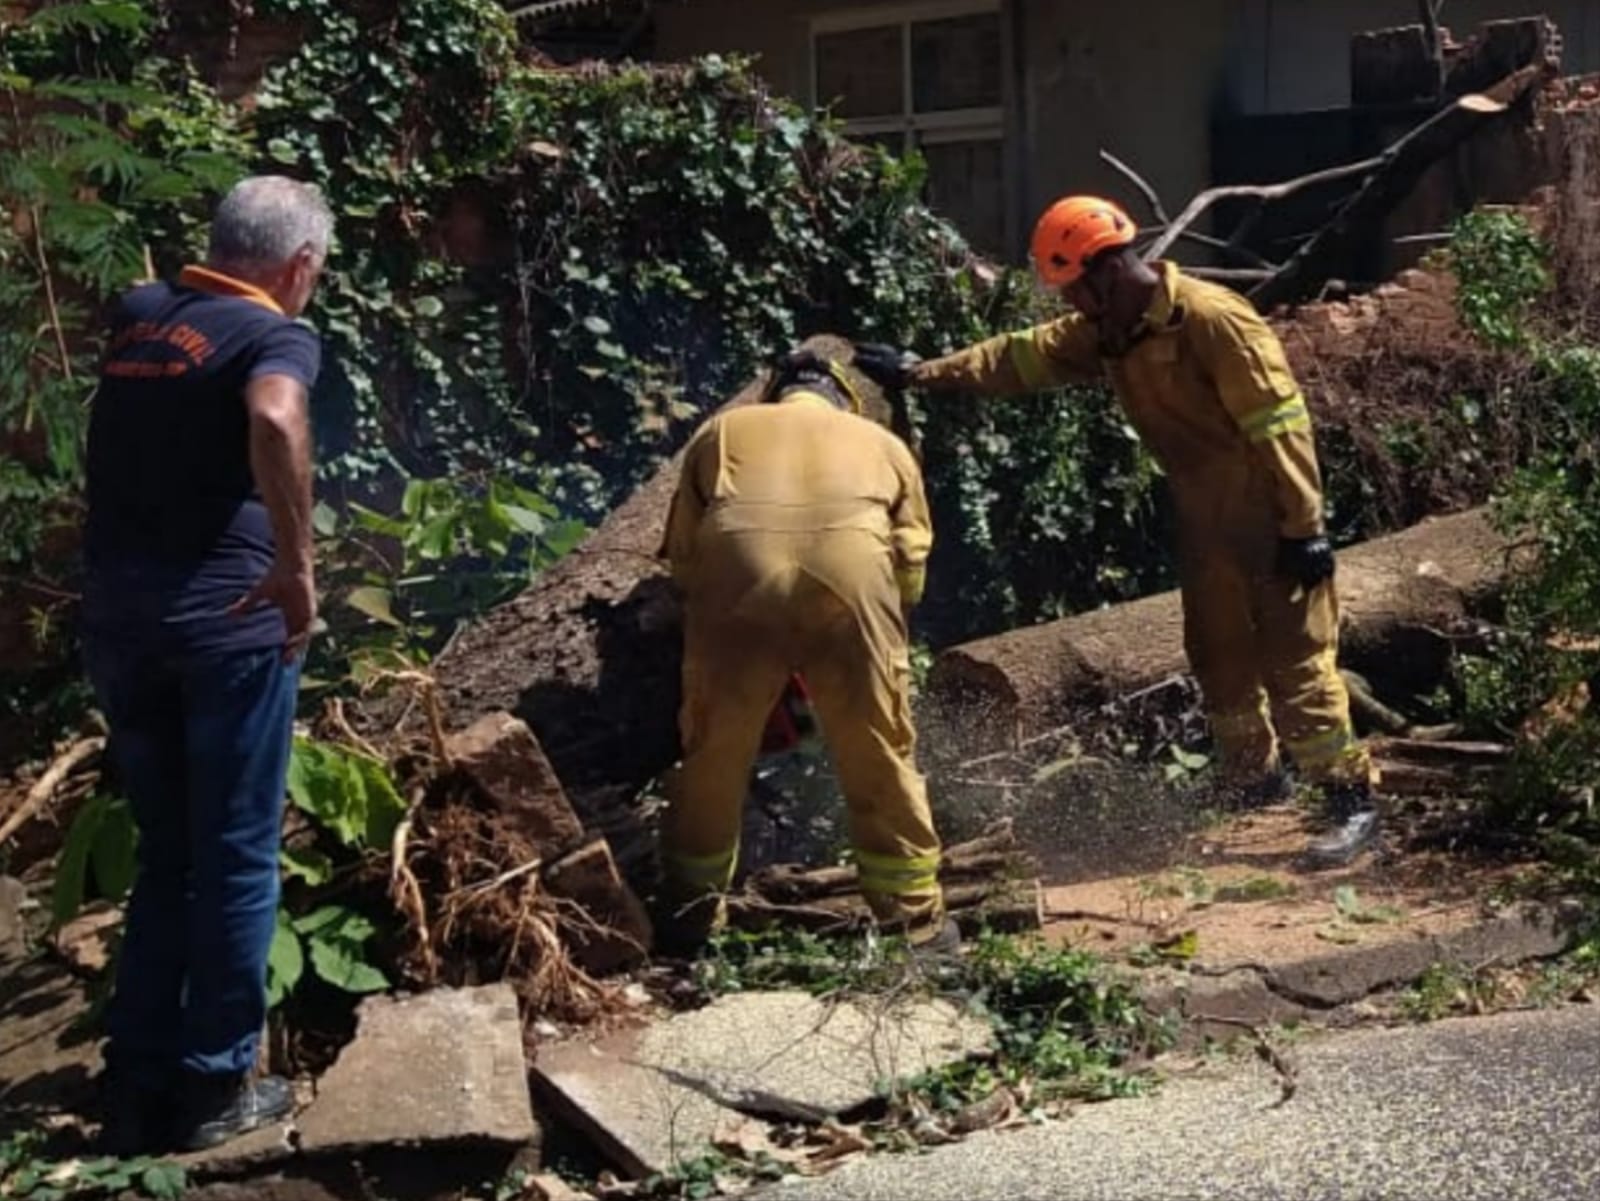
x: 1152, y: 197
x: 1232, y: 275
x: 1262, y: 192
x: 1243, y: 253
x: 1434, y: 38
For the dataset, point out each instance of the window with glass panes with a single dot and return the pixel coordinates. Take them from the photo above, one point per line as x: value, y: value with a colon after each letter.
x: 925, y: 76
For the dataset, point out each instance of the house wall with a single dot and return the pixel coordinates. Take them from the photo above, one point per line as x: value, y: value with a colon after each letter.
x: 1299, y: 50
x: 1142, y: 80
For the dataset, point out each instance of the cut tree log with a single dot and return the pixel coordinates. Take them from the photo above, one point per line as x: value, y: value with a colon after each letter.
x: 988, y: 881
x: 993, y: 855
x: 1005, y: 906
x: 1398, y: 597
x: 589, y: 655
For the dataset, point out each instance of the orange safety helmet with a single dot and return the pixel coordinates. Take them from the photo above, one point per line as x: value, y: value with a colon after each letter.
x: 1074, y: 230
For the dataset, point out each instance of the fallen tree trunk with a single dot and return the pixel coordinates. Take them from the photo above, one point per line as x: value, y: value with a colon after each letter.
x: 589, y: 655
x: 1398, y: 595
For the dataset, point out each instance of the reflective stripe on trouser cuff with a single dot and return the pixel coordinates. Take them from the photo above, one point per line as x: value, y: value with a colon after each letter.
x: 702, y: 873
x: 897, y: 875
x: 1321, y: 751
x: 1031, y: 364
x: 1285, y: 417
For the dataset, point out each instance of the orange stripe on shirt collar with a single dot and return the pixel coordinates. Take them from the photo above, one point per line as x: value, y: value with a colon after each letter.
x: 203, y: 279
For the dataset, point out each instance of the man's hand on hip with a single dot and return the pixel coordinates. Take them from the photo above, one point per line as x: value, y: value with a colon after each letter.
x: 290, y: 587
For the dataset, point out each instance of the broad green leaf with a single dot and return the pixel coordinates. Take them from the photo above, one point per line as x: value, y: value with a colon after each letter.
x: 376, y: 603
x: 525, y: 520
x: 325, y: 519
x: 323, y: 786
x: 165, y: 1181
x: 411, y: 500
x: 114, y: 855
x: 343, y: 964
x: 385, y: 807
x: 428, y: 306
x: 598, y: 326
x: 72, y: 866
x: 325, y: 917
x: 435, y: 539
x: 308, y: 864
x: 285, y: 961
x: 378, y: 523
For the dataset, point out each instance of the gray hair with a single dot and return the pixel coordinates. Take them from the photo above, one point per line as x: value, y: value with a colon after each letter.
x: 265, y: 220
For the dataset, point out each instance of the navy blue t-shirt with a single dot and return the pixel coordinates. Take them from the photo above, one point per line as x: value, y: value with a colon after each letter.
x: 177, y: 531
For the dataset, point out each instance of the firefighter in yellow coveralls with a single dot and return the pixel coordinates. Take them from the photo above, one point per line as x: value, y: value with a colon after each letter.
x: 799, y: 535
x: 1205, y: 382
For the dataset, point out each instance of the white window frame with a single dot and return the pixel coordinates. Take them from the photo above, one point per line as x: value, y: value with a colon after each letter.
x: 985, y: 124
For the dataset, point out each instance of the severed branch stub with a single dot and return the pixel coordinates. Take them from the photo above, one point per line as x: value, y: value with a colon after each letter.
x: 1398, y: 171
x: 1382, y: 182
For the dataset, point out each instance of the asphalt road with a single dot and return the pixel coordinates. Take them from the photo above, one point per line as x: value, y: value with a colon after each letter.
x: 1496, y: 1108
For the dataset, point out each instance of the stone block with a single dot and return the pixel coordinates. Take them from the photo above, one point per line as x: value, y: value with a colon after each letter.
x: 614, y: 932
x: 500, y: 755
x: 649, y: 1097
x: 442, y: 1067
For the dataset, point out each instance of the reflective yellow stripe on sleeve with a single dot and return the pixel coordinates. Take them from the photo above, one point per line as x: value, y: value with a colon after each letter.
x: 1286, y: 417
x: 1033, y: 367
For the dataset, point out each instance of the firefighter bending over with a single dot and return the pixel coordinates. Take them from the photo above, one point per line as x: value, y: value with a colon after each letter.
x: 799, y: 535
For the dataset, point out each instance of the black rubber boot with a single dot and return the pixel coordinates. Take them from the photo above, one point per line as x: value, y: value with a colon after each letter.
x: 945, y: 943
x: 1353, y: 828
x: 135, y: 1116
x: 682, y: 929
x: 219, y: 1108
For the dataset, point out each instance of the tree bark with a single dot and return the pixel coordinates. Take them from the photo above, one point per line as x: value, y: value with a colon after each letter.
x: 1397, y: 594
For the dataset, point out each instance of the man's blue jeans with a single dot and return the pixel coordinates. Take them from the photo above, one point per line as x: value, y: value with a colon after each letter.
x: 201, y: 744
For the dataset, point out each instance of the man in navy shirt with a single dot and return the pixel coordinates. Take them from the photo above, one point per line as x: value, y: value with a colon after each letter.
x: 198, y: 604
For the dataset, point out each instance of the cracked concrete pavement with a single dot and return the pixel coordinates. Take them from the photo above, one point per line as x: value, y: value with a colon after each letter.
x: 1495, y: 1108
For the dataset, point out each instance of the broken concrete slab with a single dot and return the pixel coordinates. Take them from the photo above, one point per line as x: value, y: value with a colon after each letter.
x: 500, y: 755
x: 616, y: 931
x: 443, y: 1067
x: 651, y: 1096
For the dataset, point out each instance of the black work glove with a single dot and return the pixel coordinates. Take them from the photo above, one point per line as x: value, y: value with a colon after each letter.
x: 886, y: 366
x: 1307, y: 561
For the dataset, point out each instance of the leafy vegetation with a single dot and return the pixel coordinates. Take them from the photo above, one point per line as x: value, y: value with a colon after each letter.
x: 350, y: 809
x: 28, y: 1174
x: 1534, y: 684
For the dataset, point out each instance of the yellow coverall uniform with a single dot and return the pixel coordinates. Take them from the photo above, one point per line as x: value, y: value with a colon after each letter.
x: 1208, y: 388
x: 798, y: 534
